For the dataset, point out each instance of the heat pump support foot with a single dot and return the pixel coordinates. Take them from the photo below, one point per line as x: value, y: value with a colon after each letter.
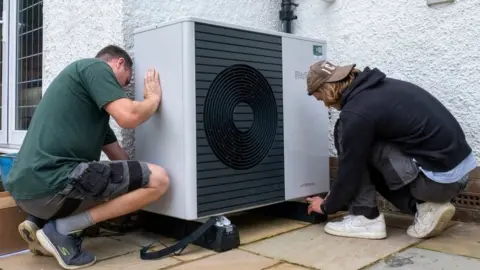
x: 220, y: 237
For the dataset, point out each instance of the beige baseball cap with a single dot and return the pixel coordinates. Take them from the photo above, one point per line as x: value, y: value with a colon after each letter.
x: 324, y: 72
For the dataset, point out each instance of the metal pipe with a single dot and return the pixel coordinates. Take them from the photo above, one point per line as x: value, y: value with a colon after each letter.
x: 286, y: 15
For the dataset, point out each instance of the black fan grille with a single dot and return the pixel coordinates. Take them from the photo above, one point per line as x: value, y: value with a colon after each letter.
x: 231, y: 173
x: 236, y: 147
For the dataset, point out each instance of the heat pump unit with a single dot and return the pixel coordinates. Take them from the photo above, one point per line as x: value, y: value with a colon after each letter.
x: 236, y: 129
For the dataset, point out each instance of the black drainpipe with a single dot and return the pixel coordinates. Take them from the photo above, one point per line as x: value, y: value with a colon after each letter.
x: 286, y: 15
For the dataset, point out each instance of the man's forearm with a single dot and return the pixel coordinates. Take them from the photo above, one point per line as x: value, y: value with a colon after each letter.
x: 130, y: 114
x: 144, y: 109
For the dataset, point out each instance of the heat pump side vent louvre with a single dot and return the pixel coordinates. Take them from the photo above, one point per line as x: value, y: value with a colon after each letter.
x: 230, y: 48
x: 220, y: 188
x: 216, y: 61
x: 221, y: 32
x: 225, y: 177
x: 209, y: 73
x: 202, y: 38
x: 269, y: 162
x: 239, y: 193
x: 239, y: 203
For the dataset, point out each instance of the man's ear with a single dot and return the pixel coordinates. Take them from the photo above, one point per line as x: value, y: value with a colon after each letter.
x: 117, y: 62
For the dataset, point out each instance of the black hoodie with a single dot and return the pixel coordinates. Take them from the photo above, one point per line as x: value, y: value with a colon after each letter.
x: 377, y: 108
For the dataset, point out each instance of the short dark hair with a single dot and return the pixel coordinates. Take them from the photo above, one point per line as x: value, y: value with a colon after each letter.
x: 112, y: 51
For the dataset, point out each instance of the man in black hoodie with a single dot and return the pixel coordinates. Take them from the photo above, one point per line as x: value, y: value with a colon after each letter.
x: 395, y: 138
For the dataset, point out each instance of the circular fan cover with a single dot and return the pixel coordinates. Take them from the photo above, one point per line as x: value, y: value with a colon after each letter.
x: 240, y: 117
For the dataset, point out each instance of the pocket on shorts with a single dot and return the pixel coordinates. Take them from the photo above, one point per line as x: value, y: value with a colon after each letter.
x: 91, y: 178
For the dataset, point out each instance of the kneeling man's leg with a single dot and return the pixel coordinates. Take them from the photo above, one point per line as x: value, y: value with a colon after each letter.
x: 364, y: 219
x: 114, y: 189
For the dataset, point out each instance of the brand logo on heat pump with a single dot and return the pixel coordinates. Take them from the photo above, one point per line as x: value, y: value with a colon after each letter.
x: 300, y: 75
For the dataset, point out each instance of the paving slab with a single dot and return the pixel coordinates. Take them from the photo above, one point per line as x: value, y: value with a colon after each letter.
x: 133, y: 261
x: 312, y: 247
x: 142, y: 239
x: 103, y: 247
x: 461, y: 239
x: 233, y: 260
x: 253, y: 227
x: 422, y: 259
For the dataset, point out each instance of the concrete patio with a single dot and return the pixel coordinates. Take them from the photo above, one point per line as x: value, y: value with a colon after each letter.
x: 280, y: 244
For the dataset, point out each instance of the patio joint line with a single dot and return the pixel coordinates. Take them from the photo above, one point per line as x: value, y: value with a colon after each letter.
x: 277, y: 259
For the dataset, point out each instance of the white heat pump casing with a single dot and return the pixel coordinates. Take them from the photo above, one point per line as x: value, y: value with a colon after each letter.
x: 169, y: 138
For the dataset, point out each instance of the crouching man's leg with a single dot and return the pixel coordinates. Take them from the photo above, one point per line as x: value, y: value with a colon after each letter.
x: 99, y: 191
x: 364, y: 219
x: 432, y: 209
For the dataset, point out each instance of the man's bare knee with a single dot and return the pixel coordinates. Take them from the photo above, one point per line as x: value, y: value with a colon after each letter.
x: 159, y: 179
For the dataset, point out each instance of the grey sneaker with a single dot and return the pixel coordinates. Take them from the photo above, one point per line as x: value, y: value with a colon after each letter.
x: 67, y: 249
x: 28, y: 232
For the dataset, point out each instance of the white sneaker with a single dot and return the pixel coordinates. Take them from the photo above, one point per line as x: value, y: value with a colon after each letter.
x: 431, y: 219
x: 358, y: 227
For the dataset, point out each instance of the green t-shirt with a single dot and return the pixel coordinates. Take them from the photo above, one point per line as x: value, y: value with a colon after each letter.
x: 69, y: 126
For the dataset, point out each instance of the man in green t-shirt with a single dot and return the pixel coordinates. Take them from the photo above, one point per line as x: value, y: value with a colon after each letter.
x: 58, y: 178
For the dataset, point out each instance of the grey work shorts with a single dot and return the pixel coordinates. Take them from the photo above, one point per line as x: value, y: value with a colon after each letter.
x: 90, y: 184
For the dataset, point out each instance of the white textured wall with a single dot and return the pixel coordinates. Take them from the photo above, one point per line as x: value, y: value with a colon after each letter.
x: 78, y: 29
x: 435, y: 47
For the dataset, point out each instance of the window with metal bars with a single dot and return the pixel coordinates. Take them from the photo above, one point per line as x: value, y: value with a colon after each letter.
x: 21, y: 65
x: 29, y: 61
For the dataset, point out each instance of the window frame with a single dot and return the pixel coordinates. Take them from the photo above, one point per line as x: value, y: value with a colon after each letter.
x: 5, y: 72
x: 10, y: 137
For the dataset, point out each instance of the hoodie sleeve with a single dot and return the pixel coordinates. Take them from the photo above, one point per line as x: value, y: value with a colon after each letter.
x: 354, y: 141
